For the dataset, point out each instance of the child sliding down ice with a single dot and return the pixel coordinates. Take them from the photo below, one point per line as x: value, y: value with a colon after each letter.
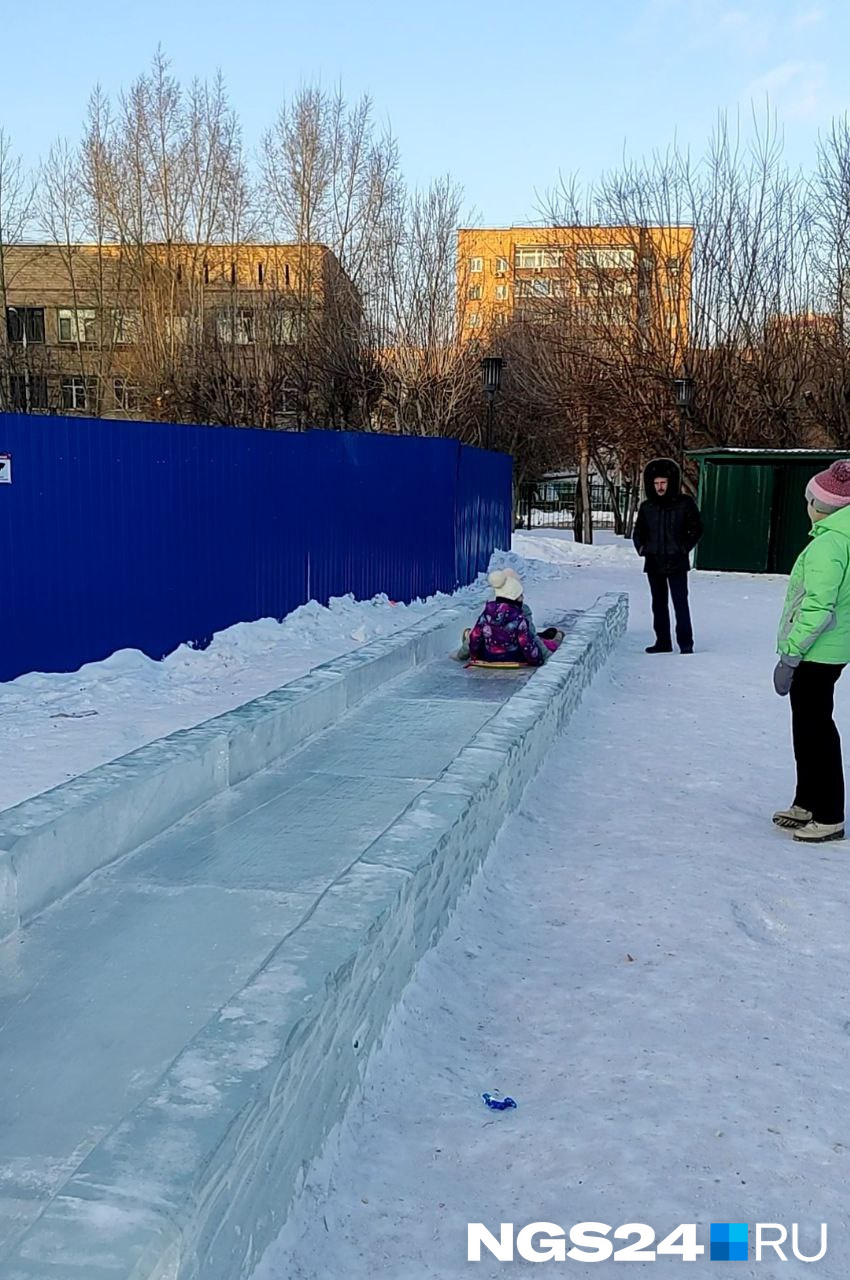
x: 505, y: 631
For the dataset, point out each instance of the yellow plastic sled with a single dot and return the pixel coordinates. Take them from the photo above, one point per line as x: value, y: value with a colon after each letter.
x: 500, y: 666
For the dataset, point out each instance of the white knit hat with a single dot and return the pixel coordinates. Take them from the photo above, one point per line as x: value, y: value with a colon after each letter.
x: 506, y: 584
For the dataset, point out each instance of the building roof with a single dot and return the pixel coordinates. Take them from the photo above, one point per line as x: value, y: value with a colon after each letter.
x: 763, y: 455
x: 588, y: 226
x: 164, y: 244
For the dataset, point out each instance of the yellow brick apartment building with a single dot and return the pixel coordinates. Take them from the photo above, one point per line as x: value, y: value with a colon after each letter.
x: 604, y: 278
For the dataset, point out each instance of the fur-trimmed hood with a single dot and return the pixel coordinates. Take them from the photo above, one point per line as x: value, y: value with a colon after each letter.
x: 662, y: 467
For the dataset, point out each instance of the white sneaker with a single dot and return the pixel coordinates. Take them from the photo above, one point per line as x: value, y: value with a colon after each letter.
x: 792, y: 818
x: 820, y: 832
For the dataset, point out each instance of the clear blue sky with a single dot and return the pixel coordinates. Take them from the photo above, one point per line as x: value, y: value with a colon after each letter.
x: 501, y: 95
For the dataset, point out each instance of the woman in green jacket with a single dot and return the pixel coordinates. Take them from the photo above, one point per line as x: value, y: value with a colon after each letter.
x: 814, y: 647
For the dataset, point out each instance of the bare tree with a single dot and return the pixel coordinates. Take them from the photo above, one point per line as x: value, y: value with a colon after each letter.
x: 331, y: 178
x: 17, y: 194
x: 326, y: 292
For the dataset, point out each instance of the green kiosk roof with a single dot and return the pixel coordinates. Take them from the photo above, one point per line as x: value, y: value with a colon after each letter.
x: 764, y: 455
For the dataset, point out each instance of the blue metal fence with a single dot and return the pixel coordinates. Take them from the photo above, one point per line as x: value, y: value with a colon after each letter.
x: 145, y: 535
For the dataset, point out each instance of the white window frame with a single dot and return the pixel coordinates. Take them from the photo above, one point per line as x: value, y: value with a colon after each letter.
x: 534, y: 287
x: 596, y: 287
x: 501, y: 266
x: 475, y: 293
x: 476, y: 266
x: 502, y: 292
x: 126, y: 326
x: 285, y: 326
x: 605, y: 258
x: 539, y: 258
x: 288, y: 403
x: 473, y: 320
x: 124, y: 388
x: 236, y: 327
x: 81, y: 388
x: 177, y: 327
x: 80, y: 324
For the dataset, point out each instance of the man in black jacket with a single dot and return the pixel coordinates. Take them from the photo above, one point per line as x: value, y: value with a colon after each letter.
x: 668, y: 528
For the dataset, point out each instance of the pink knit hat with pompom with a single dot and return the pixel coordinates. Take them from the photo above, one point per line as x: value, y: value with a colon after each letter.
x: 830, y: 490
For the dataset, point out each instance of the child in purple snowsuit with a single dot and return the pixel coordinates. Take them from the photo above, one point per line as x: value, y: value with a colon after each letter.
x: 505, y: 630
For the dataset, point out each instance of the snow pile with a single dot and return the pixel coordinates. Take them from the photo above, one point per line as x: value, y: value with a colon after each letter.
x: 60, y: 725
x: 557, y: 546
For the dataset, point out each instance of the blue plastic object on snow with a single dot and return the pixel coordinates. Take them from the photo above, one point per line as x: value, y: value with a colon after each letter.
x: 498, y: 1104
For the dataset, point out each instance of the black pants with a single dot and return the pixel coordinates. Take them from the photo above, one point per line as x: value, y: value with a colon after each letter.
x: 662, y: 586
x: 817, y: 746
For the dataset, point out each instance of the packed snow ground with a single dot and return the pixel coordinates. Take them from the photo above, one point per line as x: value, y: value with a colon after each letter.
x: 657, y: 975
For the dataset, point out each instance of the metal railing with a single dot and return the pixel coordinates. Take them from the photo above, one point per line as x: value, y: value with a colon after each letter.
x: 551, y: 504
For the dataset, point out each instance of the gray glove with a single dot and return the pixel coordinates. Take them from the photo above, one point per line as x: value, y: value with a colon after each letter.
x: 783, y: 674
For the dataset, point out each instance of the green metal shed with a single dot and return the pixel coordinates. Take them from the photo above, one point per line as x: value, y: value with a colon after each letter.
x: 754, y: 508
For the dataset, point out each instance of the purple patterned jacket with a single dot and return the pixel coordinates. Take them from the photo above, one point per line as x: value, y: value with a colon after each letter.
x: 503, y: 633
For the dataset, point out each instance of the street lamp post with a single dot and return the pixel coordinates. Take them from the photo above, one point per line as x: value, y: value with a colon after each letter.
x: 491, y: 376
x: 684, y: 389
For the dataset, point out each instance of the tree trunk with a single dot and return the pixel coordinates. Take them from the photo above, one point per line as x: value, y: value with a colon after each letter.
x: 584, y: 488
x: 578, y: 515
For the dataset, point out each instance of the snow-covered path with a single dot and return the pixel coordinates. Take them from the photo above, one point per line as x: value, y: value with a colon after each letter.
x: 660, y: 979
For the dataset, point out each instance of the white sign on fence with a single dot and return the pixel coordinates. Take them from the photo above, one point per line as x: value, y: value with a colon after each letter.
x: 5, y: 468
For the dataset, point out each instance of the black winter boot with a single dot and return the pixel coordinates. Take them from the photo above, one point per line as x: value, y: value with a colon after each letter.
x: 659, y: 648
